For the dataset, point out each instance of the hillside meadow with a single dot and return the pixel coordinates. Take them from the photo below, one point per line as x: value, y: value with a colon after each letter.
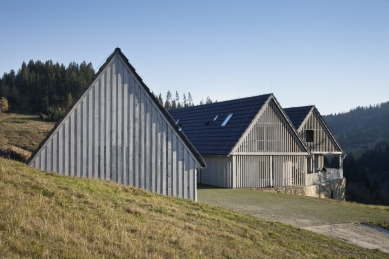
x: 21, y: 134
x: 46, y: 215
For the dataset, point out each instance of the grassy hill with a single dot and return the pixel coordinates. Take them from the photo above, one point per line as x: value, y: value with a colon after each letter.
x: 45, y: 215
x: 20, y: 134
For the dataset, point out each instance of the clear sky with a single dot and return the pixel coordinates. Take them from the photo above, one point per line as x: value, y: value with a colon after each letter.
x: 330, y: 53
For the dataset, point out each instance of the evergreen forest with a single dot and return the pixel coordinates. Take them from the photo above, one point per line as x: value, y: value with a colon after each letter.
x: 362, y: 127
x: 50, y: 88
x: 363, y: 133
x: 46, y: 87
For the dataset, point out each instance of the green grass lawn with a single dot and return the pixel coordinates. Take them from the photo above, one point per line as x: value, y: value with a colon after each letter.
x: 296, y: 210
x: 47, y: 215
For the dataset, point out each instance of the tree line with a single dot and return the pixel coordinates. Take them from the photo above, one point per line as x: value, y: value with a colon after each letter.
x: 50, y: 88
x: 367, y: 176
x: 360, y: 126
x: 45, y: 87
x: 175, y: 103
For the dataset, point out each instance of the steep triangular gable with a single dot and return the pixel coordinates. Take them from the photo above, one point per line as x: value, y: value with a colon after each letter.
x: 215, y: 128
x: 114, y: 130
x: 271, y: 131
x: 323, y: 140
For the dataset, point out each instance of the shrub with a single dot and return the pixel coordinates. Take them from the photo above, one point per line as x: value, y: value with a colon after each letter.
x: 4, y: 106
x: 55, y: 114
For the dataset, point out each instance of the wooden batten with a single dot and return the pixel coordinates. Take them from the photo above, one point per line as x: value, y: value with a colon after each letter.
x: 270, y: 132
x: 323, y: 141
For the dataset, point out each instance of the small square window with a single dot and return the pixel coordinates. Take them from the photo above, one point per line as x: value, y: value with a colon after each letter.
x: 309, y: 135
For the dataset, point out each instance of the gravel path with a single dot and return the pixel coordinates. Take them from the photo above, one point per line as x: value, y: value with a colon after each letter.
x: 360, y: 234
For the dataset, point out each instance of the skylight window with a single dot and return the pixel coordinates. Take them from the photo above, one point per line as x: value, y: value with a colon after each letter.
x: 227, y: 119
x: 215, y: 117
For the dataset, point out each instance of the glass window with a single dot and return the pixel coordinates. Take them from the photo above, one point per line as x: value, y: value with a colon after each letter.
x: 227, y: 119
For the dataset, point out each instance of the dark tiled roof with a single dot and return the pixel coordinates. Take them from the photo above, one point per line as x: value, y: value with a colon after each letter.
x: 207, y: 134
x: 298, y: 114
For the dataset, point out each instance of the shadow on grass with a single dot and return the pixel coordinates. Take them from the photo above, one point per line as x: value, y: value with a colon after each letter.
x: 205, y: 186
x: 16, y: 116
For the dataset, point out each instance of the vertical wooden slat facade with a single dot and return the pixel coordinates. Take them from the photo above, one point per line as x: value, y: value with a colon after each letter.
x: 321, y: 136
x: 322, y: 143
x: 117, y: 132
x: 270, y: 153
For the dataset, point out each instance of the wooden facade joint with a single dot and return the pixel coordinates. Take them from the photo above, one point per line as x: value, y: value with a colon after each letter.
x: 271, y: 154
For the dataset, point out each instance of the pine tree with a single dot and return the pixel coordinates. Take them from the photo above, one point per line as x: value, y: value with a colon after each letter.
x: 185, y: 104
x: 190, y: 100
x: 173, y: 105
x: 168, y: 98
x: 178, y: 105
x: 69, y: 100
x: 160, y: 100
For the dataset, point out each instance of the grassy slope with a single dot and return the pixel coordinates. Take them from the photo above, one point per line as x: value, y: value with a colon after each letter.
x: 50, y: 215
x: 24, y: 131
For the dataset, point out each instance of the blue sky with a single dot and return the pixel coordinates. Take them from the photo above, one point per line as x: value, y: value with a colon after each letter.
x: 333, y: 54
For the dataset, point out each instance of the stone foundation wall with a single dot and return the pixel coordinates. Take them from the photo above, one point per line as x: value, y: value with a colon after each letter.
x: 335, y: 189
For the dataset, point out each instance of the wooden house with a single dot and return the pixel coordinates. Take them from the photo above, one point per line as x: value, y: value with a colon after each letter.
x: 247, y: 142
x: 319, y: 140
x: 117, y: 131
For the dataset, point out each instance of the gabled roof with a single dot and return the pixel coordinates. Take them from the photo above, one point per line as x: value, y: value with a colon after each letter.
x: 203, y: 124
x: 147, y: 90
x: 298, y: 114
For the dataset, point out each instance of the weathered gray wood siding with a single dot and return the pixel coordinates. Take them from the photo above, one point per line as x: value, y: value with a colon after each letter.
x: 264, y: 171
x: 116, y: 132
x: 321, y: 140
x: 270, y: 154
x: 217, y: 172
x: 270, y: 133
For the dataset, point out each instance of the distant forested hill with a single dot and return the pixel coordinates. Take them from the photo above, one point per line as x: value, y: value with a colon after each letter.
x: 361, y: 127
x: 365, y: 130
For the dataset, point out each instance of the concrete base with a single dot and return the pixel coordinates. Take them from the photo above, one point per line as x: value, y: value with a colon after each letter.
x: 335, y: 189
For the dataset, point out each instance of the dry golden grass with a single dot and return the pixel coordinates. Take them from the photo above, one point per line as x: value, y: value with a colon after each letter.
x: 47, y: 215
x: 24, y: 131
x: 16, y: 153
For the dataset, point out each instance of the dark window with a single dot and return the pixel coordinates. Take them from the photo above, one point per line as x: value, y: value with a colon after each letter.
x: 309, y: 135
